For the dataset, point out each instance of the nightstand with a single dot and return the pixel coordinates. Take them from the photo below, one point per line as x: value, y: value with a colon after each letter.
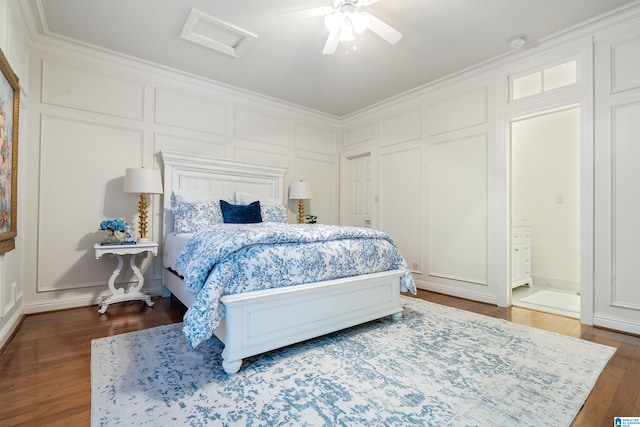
x: 119, y: 251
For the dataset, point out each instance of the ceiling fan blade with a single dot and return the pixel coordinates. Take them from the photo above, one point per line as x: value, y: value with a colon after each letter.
x: 384, y: 30
x: 332, y: 43
x: 308, y: 13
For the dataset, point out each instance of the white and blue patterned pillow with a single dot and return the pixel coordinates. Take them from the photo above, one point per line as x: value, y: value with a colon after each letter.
x: 274, y: 213
x: 193, y: 217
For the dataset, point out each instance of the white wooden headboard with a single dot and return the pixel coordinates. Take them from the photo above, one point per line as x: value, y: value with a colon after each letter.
x: 215, y: 175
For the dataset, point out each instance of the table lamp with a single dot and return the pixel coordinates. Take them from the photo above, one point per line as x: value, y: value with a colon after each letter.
x: 300, y: 191
x: 143, y: 181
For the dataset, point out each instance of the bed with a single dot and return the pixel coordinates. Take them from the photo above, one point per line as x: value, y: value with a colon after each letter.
x: 258, y: 321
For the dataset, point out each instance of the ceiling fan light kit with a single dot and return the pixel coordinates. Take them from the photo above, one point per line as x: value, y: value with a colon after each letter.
x: 333, y: 21
x: 344, y: 19
x: 346, y: 33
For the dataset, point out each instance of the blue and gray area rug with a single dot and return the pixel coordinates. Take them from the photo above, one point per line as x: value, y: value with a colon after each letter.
x: 437, y: 366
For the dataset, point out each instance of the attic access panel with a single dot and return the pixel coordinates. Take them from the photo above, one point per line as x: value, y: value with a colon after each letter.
x: 216, y: 34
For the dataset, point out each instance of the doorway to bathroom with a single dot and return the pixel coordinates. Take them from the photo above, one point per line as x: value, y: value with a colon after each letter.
x: 545, y: 211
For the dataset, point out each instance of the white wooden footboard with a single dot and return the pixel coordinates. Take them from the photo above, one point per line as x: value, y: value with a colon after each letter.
x: 260, y: 321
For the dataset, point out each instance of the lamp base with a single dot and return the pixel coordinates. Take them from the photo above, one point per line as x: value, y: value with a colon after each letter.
x: 142, y: 218
x: 300, y: 212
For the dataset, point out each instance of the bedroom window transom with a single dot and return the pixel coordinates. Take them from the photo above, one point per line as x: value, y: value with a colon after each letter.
x: 545, y: 79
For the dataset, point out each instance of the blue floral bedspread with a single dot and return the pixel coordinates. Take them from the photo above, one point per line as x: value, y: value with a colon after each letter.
x: 234, y: 258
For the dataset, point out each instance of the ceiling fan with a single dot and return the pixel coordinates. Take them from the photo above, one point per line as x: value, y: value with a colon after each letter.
x: 344, y: 18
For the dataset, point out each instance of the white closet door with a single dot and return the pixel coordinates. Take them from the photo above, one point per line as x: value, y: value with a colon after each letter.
x: 361, y: 177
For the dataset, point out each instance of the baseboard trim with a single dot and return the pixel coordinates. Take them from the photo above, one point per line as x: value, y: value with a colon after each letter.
x: 66, y: 303
x: 616, y: 324
x: 10, y: 327
x: 554, y: 282
x: 456, y: 292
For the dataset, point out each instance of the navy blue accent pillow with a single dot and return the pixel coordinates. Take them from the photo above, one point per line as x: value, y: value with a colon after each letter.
x: 241, y: 214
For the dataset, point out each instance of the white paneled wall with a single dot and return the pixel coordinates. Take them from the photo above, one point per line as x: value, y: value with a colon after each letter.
x: 97, y: 115
x: 458, y: 207
x: 458, y: 111
x: 316, y: 140
x: 74, y: 156
x: 354, y: 134
x: 195, y: 110
x: 617, y: 199
x: 401, y: 190
x: 433, y: 161
x: 401, y: 128
x: 458, y: 194
x: 92, y: 90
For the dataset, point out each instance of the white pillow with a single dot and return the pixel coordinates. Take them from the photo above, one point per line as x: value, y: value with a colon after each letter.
x: 193, y: 196
x: 242, y: 198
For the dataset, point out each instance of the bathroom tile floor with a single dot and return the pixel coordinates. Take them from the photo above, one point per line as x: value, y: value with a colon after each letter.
x: 522, y: 292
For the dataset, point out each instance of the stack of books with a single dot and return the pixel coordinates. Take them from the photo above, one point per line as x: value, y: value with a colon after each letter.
x: 125, y: 242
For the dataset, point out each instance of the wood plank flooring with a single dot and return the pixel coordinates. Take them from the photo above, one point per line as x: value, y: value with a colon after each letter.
x: 45, y: 376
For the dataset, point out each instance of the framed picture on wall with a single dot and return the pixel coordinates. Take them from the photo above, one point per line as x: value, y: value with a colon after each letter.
x: 9, y: 108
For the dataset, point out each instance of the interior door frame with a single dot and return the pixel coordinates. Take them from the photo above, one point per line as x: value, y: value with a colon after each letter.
x: 583, y: 102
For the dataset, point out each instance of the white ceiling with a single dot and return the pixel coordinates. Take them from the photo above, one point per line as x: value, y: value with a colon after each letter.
x: 286, y: 60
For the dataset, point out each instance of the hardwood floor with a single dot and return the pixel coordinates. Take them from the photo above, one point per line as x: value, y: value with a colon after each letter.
x: 45, y: 376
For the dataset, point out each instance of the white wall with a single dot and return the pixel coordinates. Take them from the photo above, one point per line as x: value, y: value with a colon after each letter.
x: 96, y: 114
x: 444, y: 148
x: 545, y: 194
x: 433, y: 154
x: 617, y: 199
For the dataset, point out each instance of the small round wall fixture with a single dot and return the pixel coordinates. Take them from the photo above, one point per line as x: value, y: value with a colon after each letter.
x: 518, y: 41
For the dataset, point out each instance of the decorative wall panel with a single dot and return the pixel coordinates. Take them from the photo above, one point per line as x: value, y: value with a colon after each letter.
x: 626, y: 205
x: 626, y: 65
x: 359, y: 134
x: 400, y: 200
x: 458, y: 209
x: 315, y: 140
x: 89, y: 90
x: 401, y: 128
x: 187, y: 110
x: 81, y: 179
x: 189, y: 145
x: 259, y: 127
x: 458, y: 112
x: 616, y: 298
x: 261, y: 155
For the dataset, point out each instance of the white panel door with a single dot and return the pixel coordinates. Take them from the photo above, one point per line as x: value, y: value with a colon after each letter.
x: 617, y: 199
x: 361, y: 184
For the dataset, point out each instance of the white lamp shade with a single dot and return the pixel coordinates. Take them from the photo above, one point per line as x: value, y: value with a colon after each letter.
x: 360, y: 22
x: 333, y: 21
x: 300, y: 191
x: 141, y: 180
x: 346, y: 32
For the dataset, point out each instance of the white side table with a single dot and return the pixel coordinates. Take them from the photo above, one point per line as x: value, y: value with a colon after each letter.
x: 119, y: 251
